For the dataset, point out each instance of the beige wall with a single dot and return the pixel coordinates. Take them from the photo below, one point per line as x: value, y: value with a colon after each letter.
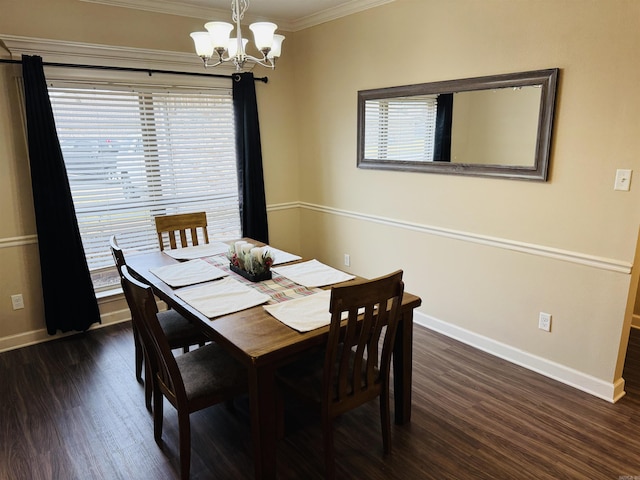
x: 485, y: 255
x: 458, y: 238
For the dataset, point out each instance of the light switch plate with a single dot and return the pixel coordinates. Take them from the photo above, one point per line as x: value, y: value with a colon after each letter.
x: 623, y: 180
x: 17, y: 301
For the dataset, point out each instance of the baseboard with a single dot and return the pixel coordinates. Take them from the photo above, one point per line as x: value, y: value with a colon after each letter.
x: 39, y: 336
x: 611, y: 392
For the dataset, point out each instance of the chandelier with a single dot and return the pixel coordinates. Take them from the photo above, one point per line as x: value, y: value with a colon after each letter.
x: 215, y: 42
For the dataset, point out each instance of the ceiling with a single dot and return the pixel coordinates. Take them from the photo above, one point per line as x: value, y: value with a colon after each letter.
x: 290, y: 15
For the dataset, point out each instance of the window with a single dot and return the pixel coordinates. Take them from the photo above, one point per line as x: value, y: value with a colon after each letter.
x: 132, y: 154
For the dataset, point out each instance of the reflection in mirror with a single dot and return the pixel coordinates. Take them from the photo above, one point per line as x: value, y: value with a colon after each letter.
x: 493, y: 126
x: 497, y: 126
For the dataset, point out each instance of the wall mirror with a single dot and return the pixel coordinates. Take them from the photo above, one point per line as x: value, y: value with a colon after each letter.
x: 496, y: 126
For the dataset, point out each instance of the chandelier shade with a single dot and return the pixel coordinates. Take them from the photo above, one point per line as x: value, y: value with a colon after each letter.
x: 219, y: 33
x: 276, y: 47
x: 263, y: 34
x: 217, y: 44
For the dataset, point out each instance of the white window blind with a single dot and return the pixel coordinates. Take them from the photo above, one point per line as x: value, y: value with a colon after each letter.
x: 134, y: 154
x: 401, y: 128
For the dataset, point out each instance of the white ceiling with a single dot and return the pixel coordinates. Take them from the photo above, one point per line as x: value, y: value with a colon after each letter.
x: 290, y: 15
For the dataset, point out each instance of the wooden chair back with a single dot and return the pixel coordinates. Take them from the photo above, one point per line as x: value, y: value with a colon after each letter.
x: 118, y: 255
x: 145, y: 312
x: 141, y: 350
x: 358, y: 357
x: 183, y: 225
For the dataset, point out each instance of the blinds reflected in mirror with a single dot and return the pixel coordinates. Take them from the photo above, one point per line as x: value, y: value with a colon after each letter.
x: 402, y: 128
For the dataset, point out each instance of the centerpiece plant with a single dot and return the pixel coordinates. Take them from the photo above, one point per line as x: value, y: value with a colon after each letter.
x: 250, y: 261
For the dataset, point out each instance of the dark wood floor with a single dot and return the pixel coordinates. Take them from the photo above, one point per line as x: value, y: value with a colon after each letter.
x: 71, y: 409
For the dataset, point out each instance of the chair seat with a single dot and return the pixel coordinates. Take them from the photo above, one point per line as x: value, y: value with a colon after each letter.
x: 179, y: 331
x: 210, y: 371
x: 305, y: 376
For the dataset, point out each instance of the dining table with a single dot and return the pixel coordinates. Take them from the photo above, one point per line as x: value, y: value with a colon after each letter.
x: 263, y: 343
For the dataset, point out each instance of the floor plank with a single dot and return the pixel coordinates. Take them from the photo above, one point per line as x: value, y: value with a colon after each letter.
x: 72, y: 409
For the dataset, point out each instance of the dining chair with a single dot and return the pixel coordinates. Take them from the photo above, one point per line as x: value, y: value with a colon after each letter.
x: 184, y: 225
x: 354, y: 367
x: 192, y: 381
x: 180, y: 333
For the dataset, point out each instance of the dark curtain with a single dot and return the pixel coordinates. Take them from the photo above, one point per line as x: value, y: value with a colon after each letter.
x: 253, y: 206
x: 444, y: 117
x: 69, y: 299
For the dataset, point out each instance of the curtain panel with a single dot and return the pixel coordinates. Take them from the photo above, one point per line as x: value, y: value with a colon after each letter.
x: 444, y: 119
x: 253, y: 207
x: 69, y: 299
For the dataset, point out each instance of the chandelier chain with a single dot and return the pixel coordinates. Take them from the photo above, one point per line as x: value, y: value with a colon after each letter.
x: 243, y: 4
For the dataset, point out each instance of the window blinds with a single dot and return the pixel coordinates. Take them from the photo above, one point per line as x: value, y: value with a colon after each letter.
x: 133, y: 154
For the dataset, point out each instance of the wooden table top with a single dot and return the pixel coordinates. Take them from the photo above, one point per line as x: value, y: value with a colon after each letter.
x: 253, y: 334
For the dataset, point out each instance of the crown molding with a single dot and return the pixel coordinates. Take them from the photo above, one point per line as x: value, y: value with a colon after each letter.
x: 184, y: 9
x: 57, y: 51
x: 335, y: 13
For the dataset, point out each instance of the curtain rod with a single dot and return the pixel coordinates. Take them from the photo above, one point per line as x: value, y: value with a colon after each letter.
x: 132, y: 69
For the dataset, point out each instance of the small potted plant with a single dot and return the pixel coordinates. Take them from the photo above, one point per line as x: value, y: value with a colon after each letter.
x: 251, y: 262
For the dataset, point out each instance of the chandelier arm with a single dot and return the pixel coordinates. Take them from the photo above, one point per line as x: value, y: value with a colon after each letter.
x: 220, y: 61
x: 207, y: 64
x: 265, y: 62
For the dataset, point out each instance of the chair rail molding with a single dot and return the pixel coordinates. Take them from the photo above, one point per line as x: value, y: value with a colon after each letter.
x: 9, y: 242
x: 610, y: 264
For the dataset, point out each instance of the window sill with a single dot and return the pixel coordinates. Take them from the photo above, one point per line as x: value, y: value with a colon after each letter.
x: 110, y: 294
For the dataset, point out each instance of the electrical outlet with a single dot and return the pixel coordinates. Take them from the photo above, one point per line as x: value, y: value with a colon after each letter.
x: 17, y: 301
x: 347, y: 260
x: 544, y: 321
x: 623, y: 180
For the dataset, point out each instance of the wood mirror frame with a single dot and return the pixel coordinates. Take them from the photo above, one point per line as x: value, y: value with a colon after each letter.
x: 537, y: 170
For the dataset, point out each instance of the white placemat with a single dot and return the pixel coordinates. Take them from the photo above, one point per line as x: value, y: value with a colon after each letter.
x: 313, y: 274
x: 305, y: 313
x: 280, y: 256
x: 222, y: 297
x: 188, y: 273
x: 198, y: 251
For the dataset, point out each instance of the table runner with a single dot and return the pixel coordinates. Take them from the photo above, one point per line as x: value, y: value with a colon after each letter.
x: 279, y: 288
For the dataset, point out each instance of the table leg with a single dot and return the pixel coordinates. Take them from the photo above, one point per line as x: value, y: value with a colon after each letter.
x: 402, y: 368
x: 263, y: 421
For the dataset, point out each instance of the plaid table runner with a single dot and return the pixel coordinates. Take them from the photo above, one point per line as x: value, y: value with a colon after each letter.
x: 279, y: 288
